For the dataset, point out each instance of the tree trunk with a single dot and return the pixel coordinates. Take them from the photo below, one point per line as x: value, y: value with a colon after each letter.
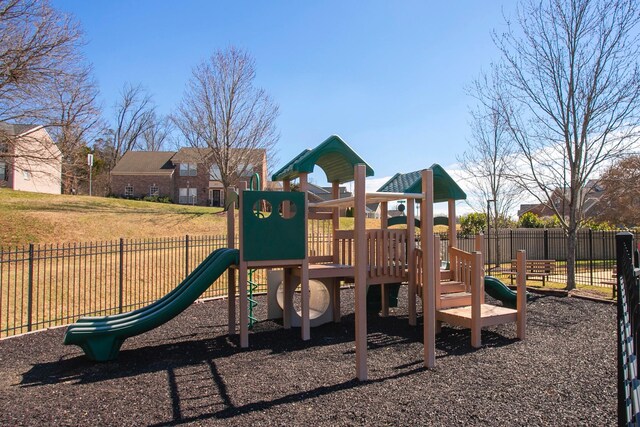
x: 572, y: 238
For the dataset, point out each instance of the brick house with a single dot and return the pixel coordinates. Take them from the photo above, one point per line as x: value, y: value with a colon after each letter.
x: 29, y: 159
x: 591, y: 206
x: 186, y: 176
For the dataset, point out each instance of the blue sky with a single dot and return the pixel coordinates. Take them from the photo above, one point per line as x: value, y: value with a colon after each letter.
x: 387, y: 76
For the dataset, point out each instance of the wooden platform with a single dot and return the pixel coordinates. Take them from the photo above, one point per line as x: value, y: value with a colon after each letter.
x: 329, y: 270
x: 490, y: 315
x: 455, y: 299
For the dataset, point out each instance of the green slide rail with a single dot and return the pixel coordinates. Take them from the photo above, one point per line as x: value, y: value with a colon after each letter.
x: 498, y: 290
x: 102, y: 337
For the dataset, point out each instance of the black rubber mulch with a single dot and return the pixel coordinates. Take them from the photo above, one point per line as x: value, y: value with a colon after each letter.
x: 188, y: 371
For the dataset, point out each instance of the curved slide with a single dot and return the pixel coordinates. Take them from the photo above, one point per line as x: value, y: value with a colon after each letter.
x: 498, y: 290
x: 101, y: 337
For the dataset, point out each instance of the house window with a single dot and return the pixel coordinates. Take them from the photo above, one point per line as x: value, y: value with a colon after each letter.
x: 3, y: 171
x: 128, y: 190
x: 214, y: 173
x: 188, y: 169
x: 26, y: 174
x: 154, y: 190
x: 187, y: 196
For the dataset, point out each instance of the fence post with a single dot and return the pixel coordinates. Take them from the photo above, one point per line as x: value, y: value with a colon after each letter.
x: 186, y: 256
x: 30, y: 291
x: 546, y: 244
x: 591, y: 257
x: 121, y: 277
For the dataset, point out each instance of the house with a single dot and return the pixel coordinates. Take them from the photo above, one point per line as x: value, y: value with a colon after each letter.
x: 591, y: 207
x: 188, y: 176
x: 29, y: 159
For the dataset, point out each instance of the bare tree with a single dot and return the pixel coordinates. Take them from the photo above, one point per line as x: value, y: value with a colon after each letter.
x: 37, y: 44
x: 158, y: 135
x: 620, y: 200
x: 486, y: 163
x: 572, y: 80
x: 225, y: 114
x: 74, y: 122
x: 135, y: 114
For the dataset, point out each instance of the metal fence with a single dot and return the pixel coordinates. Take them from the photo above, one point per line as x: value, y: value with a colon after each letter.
x: 628, y: 327
x: 53, y: 284
x: 595, y: 253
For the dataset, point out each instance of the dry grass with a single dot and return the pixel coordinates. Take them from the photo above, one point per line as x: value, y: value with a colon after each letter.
x: 43, y: 218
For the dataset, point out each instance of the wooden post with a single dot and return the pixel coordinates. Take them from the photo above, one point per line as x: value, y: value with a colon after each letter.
x: 287, y: 297
x: 384, y: 213
x: 411, y: 253
x: 453, y: 233
x: 304, y: 273
x: 436, y: 269
x: 479, y: 242
x: 360, y: 239
x: 231, y: 273
x: 428, y: 291
x: 521, y: 299
x: 335, y: 248
x: 242, y: 280
x: 476, y: 300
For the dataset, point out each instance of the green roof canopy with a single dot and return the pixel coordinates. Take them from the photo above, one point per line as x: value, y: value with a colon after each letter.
x: 444, y: 187
x: 334, y: 156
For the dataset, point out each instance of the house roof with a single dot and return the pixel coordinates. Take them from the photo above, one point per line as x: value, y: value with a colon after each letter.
x: 444, y: 187
x: 145, y: 163
x: 198, y: 155
x: 17, y: 129
x: 334, y: 157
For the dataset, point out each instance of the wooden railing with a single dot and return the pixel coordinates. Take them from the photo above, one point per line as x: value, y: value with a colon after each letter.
x: 387, y: 253
x: 461, y: 266
x: 346, y: 246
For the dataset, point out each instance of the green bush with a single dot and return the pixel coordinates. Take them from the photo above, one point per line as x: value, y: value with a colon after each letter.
x: 473, y: 223
x: 530, y: 220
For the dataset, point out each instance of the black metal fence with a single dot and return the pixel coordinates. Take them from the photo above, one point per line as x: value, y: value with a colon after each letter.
x: 628, y: 327
x: 595, y: 253
x: 53, y: 284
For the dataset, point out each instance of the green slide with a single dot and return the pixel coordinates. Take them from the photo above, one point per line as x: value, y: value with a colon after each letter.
x: 500, y: 291
x: 101, y: 337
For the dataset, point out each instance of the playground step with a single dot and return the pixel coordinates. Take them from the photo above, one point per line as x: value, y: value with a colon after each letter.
x: 489, y: 314
x: 451, y: 287
x: 455, y: 299
x: 445, y: 274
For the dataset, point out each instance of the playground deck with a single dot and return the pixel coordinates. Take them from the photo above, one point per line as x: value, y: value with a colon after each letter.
x: 188, y: 370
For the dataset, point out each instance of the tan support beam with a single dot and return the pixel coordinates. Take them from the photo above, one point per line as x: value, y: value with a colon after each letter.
x: 384, y: 213
x: 453, y: 234
x: 242, y: 281
x: 521, y: 298
x: 304, y: 273
x: 231, y: 273
x: 476, y: 300
x: 428, y: 293
x: 360, y: 238
x: 411, y: 249
x: 479, y: 242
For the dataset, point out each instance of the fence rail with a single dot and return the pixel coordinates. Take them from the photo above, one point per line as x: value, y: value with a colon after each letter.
x: 628, y: 279
x: 47, y: 285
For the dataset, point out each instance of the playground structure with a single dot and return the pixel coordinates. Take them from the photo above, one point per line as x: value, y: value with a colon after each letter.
x: 278, y: 230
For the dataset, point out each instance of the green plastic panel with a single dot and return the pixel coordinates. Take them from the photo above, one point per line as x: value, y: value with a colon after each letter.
x: 267, y: 235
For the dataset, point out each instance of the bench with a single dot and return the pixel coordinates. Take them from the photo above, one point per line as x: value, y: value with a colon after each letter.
x: 538, y: 269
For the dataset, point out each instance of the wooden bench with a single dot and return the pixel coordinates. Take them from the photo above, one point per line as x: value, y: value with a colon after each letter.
x: 535, y: 268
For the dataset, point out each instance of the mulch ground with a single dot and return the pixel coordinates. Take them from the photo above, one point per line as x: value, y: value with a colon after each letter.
x: 189, y: 371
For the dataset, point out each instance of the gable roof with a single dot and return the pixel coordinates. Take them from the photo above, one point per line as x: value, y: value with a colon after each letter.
x: 333, y: 156
x: 444, y: 187
x: 17, y: 129
x: 145, y: 163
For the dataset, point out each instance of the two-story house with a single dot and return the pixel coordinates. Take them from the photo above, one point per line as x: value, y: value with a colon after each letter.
x: 29, y: 159
x: 187, y: 176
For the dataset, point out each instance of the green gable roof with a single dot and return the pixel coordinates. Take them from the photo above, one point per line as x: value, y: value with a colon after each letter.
x: 333, y: 156
x: 444, y: 187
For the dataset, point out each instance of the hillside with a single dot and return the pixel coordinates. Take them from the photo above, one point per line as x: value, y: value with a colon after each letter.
x: 45, y: 218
